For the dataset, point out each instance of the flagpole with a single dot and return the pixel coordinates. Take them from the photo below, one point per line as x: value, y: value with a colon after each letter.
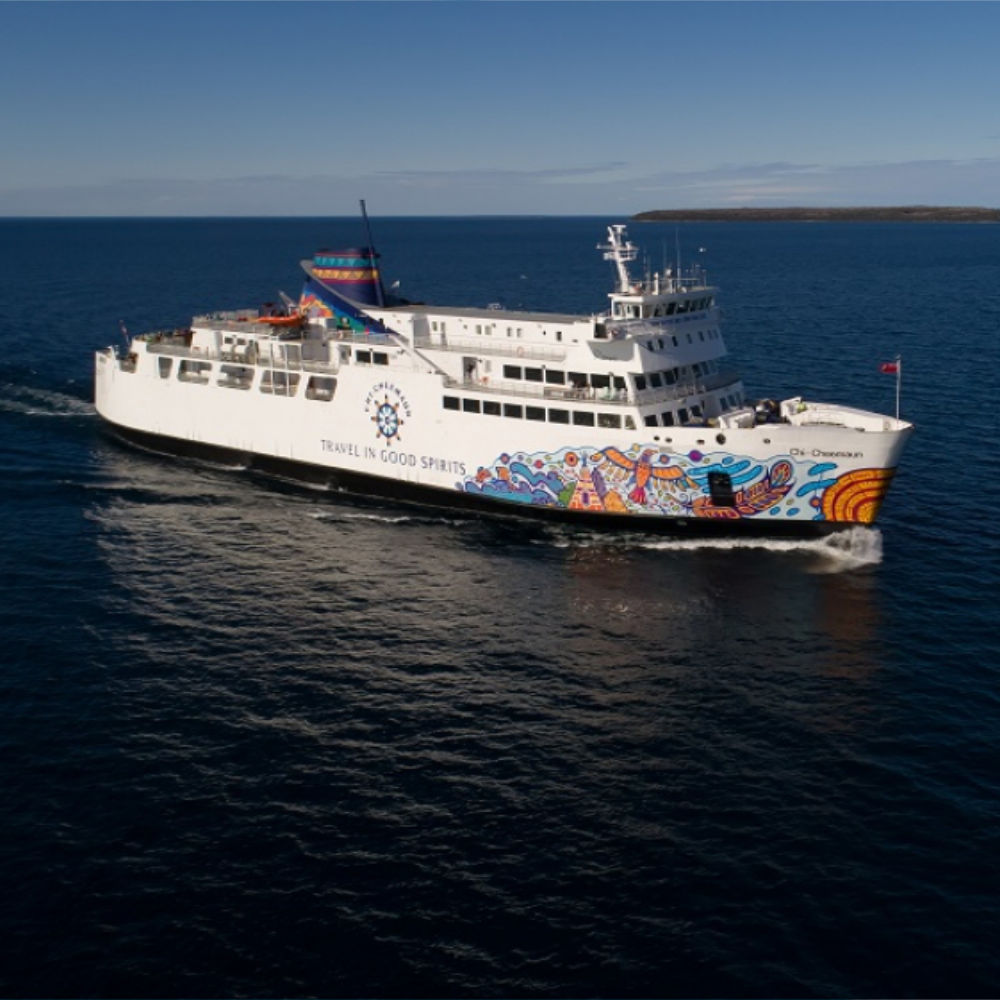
x: 899, y: 379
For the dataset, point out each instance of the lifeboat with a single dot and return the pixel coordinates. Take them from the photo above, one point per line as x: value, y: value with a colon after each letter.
x: 295, y: 320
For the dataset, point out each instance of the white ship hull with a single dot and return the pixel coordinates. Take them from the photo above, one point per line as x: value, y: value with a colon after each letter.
x: 411, y: 414
x: 799, y: 479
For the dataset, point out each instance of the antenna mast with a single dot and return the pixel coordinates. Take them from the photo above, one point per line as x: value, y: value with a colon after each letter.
x: 371, y: 255
x: 621, y: 252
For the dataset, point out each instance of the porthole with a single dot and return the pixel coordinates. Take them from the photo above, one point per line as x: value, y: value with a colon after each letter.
x: 721, y: 438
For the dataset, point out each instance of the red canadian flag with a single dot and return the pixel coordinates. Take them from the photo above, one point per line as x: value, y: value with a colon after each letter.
x: 889, y: 367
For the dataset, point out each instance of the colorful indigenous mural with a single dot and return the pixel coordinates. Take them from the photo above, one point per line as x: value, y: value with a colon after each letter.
x: 648, y: 480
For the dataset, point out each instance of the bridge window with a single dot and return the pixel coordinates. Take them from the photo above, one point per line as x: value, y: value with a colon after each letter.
x: 450, y: 402
x: 470, y: 405
x: 513, y: 410
x: 558, y: 416
x: 491, y: 408
x: 583, y: 418
x: 534, y: 412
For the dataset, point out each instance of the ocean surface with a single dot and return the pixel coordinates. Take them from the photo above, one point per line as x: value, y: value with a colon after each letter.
x: 258, y: 740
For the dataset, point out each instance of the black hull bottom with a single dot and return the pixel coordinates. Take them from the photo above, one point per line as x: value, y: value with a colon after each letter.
x: 363, y: 485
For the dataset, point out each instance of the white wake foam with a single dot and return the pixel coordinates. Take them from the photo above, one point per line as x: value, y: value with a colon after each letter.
x: 43, y: 402
x: 850, y: 549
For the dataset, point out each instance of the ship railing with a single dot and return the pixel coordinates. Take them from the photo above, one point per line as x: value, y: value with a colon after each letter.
x: 243, y: 322
x: 682, y: 390
x: 230, y: 322
x: 174, y: 350
x: 565, y: 393
x: 285, y: 354
x: 361, y: 337
x: 293, y: 365
x: 803, y: 413
x: 279, y: 360
x: 480, y: 346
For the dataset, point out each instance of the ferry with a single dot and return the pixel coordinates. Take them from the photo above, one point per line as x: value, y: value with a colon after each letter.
x: 629, y: 418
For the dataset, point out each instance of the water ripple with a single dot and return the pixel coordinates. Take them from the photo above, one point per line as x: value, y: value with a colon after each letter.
x: 263, y: 741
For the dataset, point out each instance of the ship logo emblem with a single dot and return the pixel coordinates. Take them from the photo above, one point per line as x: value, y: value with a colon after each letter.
x: 387, y: 421
x: 389, y: 411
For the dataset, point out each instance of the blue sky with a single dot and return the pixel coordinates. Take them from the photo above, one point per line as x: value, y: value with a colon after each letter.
x: 494, y: 108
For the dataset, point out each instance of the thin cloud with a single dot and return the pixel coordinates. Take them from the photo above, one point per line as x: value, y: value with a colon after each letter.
x: 780, y: 183
x: 611, y: 187
x: 490, y: 174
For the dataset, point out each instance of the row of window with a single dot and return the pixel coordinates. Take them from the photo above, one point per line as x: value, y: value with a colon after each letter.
x: 660, y: 342
x: 668, y: 419
x: 593, y: 380
x: 488, y: 329
x: 240, y: 348
x: 635, y: 310
x: 579, y: 418
x: 555, y: 376
x: 683, y: 415
x: 671, y: 376
x: 371, y: 357
x: 272, y: 382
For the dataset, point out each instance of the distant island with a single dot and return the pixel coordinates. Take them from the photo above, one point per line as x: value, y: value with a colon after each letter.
x: 900, y: 213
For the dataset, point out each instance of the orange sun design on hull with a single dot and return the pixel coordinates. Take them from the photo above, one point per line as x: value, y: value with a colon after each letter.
x: 856, y: 497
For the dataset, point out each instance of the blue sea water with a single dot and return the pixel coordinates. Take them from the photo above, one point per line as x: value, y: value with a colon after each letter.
x: 257, y: 740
